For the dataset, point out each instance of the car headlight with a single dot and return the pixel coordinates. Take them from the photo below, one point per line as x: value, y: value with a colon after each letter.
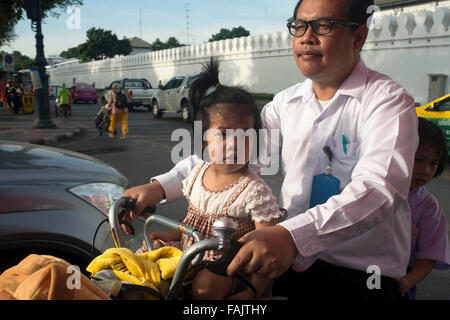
x: 100, y: 195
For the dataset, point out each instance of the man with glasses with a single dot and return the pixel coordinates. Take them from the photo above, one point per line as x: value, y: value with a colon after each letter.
x: 352, y: 242
x: 348, y: 138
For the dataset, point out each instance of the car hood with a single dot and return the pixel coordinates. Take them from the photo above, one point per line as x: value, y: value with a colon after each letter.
x: 29, y: 164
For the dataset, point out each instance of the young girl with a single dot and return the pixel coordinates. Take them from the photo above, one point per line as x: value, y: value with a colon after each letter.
x: 429, y: 241
x: 224, y: 186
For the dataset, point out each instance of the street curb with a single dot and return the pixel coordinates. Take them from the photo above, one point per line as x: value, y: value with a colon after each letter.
x: 52, y: 140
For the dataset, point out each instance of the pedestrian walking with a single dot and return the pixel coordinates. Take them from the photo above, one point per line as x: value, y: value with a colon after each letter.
x: 118, y: 103
x: 65, y: 99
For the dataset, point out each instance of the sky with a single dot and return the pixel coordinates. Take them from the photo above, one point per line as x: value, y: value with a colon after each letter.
x: 160, y: 19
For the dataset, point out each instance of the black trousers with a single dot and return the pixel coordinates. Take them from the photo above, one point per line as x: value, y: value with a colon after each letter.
x: 325, y: 281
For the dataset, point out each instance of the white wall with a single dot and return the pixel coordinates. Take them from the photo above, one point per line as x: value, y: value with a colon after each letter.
x: 406, y: 47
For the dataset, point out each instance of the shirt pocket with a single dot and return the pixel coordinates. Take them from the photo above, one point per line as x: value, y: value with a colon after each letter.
x: 344, y: 159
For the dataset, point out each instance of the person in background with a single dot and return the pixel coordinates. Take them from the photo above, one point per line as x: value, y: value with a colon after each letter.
x: 430, y: 247
x: 10, y: 94
x: 3, y: 92
x: 119, y: 111
x: 64, y: 97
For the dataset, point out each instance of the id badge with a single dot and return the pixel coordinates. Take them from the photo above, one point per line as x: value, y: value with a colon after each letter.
x: 324, y: 185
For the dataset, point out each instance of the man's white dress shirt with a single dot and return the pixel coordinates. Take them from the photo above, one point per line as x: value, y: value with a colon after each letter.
x: 368, y: 223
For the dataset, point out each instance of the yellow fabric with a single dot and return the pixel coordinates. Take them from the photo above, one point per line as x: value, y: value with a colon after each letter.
x: 123, y: 119
x: 145, y: 269
x: 42, y: 277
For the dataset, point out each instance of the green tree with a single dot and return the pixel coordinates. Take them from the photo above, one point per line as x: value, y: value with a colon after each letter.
x: 12, y: 11
x: 172, y: 42
x: 20, y: 61
x: 157, y: 45
x: 74, y: 52
x: 230, y: 34
x: 100, y: 44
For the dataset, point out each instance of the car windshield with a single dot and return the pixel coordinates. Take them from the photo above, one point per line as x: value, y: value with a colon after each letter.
x: 445, y: 105
x: 84, y: 86
x: 191, y: 81
x: 134, y: 84
x: 173, y: 83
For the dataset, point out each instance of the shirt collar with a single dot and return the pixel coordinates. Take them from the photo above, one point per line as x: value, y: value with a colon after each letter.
x: 353, y: 86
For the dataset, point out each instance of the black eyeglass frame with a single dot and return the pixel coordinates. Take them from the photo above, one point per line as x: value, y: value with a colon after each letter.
x: 291, y: 23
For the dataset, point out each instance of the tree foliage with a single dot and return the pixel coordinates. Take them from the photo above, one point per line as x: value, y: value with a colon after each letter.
x: 172, y: 42
x: 100, y: 44
x: 12, y: 11
x: 20, y: 61
x: 230, y: 34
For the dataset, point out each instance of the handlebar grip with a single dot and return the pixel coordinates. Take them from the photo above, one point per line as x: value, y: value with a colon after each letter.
x: 129, y: 203
x: 116, y: 217
x: 149, y: 210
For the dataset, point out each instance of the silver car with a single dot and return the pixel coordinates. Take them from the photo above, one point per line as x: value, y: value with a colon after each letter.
x: 173, y: 97
x: 55, y: 202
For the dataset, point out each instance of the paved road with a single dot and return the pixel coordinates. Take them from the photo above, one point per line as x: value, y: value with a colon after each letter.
x: 147, y: 152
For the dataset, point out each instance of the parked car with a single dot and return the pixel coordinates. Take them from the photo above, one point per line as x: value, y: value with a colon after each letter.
x: 83, y: 92
x: 173, y: 97
x: 53, y: 90
x: 53, y: 201
x: 138, y: 91
x: 438, y: 111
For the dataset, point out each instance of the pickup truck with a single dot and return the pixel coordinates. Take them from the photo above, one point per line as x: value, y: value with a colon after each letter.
x: 138, y: 91
x: 173, y: 97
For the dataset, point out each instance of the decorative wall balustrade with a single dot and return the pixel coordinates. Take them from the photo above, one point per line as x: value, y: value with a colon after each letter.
x: 407, y: 47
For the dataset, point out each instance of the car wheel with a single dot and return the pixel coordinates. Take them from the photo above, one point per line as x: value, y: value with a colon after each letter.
x: 185, y: 112
x: 156, y: 111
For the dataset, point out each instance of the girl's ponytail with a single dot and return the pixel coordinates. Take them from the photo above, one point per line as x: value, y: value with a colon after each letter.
x: 203, y: 86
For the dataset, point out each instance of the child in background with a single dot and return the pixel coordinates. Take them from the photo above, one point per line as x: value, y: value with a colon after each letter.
x: 429, y: 241
x: 225, y: 187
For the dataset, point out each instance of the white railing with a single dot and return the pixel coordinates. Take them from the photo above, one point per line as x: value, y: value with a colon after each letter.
x: 406, y: 47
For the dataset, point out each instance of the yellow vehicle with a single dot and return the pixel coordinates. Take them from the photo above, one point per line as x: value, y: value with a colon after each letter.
x: 438, y: 111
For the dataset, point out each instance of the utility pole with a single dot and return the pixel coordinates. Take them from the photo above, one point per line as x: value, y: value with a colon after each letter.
x: 140, y: 23
x: 187, y: 24
x: 266, y: 16
x: 33, y: 9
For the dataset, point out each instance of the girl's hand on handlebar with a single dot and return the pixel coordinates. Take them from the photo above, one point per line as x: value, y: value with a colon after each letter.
x: 145, y: 195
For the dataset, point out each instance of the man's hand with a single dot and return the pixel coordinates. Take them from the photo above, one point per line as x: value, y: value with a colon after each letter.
x: 145, y: 195
x: 268, y: 253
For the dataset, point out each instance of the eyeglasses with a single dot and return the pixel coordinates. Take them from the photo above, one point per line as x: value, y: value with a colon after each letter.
x: 320, y: 26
